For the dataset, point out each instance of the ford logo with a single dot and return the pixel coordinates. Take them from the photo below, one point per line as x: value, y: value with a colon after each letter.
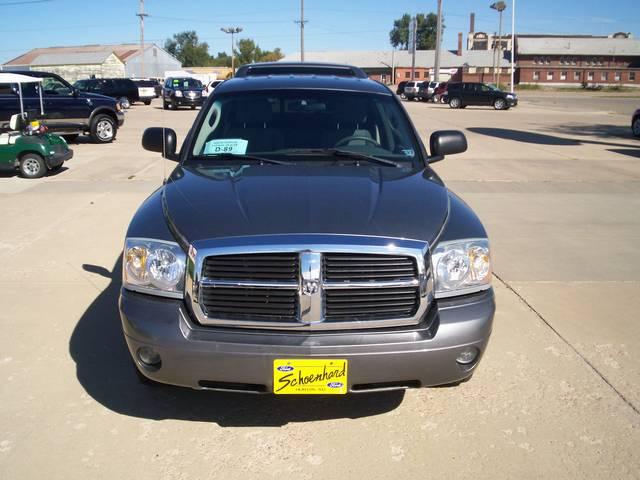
x: 285, y: 368
x: 334, y: 384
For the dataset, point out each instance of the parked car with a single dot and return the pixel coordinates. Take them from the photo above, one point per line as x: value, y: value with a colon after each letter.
x: 70, y: 112
x: 29, y: 148
x: 304, y: 245
x: 635, y: 123
x: 146, y: 90
x: 460, y: 95
x: 440, y: 93
x: 426, y: 91
x: 206, y: 91
x: 412, y: 90
x: 183, y: 91
x: 400, y: 89
x: 122, y: 89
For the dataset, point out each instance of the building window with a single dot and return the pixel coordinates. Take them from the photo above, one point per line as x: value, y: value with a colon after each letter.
x: 632, y: 76
x: 563, y: 75
x: 549, y: 75
x: 618, y: 77
x: 417, y: 74
x: 604, y: 76
x: 574, y: 60
x: 576, y: 76
x: 536, y: 75
x: 590, y: 76
x: 407, y: 74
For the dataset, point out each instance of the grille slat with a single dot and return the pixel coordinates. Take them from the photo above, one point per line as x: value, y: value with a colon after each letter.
x: 371, y: 303
x: 252, y: 267
x: 235, y: 302
x: 358, y: 267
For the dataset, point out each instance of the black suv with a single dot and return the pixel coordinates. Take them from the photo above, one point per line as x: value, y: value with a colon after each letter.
x: 69, y: 112
x: 460, y: 95
x: 303, y: 244
x: 122, y: 89
x: 182, y: 91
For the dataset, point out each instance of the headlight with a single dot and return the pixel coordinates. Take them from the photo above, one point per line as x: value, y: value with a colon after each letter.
x: 178, y: 93
x: 461, y: 267
x: 153, y: 266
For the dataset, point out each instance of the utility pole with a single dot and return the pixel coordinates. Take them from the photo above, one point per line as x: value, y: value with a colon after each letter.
x: 436, y: 63
x: 413, y: 29
x: 141, y: 14
x: 232, y: 31
x: 500, y: 7
x: 513, y: 43
x: 302, y: 21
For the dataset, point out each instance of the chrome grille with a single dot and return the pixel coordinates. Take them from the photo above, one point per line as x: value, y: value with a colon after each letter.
x: 309, y: 282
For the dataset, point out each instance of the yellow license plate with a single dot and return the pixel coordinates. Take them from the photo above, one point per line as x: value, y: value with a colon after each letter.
x: 309, y: 376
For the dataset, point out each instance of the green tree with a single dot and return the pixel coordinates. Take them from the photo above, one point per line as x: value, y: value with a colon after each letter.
x: 249, y: 52
x: 223, y: 59
x: 186, y: 47
x: 427, y: 26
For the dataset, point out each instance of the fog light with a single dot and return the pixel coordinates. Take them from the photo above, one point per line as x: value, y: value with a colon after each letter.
x: 467, y: 356
x: 149, y: 356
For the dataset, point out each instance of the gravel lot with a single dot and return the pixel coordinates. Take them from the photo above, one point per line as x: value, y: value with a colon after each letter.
x: 557, y: 394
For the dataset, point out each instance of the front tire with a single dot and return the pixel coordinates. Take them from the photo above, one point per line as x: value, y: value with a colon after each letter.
x: 193, y: 107
x: 32, y: 166
x: 147, y: 102
x: 635, y: 127
x: 103, y: 129
x: 455, y: 102
x: 500, y: 104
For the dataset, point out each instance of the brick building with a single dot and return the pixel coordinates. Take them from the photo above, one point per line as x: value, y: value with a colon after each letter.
x: 573, y: 61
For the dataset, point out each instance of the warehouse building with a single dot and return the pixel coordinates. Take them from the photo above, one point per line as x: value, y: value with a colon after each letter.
x: 101, y: 61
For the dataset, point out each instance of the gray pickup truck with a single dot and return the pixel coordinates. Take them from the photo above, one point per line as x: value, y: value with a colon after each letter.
x: 304, y: 245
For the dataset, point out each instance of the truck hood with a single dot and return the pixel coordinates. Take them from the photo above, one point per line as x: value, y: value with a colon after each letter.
x: 205, y: 203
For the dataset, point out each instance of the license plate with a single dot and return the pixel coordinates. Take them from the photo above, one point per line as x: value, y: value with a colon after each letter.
x: 309, y: 377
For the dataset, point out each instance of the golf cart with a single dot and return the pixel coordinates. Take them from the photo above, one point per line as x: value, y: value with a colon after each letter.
x: 27, y: 146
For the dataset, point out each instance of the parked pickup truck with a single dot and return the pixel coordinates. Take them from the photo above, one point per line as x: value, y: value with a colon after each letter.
x: 69, y: 112
x: 304, y: 245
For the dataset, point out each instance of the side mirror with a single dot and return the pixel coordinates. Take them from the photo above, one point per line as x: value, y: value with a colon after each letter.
x: 162, y: 140
x: 446, y: 142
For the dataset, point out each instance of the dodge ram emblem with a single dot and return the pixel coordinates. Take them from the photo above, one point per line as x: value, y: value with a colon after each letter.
x: 310, y: 287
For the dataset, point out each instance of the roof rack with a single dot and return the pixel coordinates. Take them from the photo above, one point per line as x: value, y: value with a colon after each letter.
x: 299, y: 68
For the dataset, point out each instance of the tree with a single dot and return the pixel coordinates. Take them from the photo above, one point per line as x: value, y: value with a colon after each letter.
x: 186, y: 47
x: 427, y: 26
x: 249, y: 52
x: 223, y: 59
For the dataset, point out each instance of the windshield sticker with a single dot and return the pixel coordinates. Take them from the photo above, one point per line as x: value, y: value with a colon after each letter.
x: 235, y: 146
x: 409, y: 152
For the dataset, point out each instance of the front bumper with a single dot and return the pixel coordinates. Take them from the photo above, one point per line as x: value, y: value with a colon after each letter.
x: 188, y: 101
x: 58, y: 159
x: 120, y: 117
x: 512, y: 102
x: 235, y: 359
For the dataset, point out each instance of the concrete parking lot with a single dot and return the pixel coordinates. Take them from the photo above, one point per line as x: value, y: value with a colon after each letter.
x: 557, y: 185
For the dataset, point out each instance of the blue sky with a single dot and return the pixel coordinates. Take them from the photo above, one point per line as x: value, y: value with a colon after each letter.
x: 333, y: 24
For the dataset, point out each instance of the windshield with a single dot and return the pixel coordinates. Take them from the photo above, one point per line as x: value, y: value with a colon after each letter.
x: 185, y: 83
x: 301, y: 125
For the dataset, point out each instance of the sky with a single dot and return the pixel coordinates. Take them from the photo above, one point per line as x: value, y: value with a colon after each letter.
x: 332, y: 24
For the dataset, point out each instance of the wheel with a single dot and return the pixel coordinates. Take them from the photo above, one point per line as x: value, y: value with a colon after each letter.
x: 635, y: 127
x: 455, y: 102
x: 32, y: 166
x: 499, y: 104
x: 164, y: 105
x: 103, y: 129
x: 403, y: 96
x: 193, y: 107
x: 71, y: 137
x: 147, y: 102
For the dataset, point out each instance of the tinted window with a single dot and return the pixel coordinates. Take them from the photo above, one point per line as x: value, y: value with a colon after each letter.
x: 145, y: 83
x: 184, y: 83
x: 6, y: 89
x: 290, y: 123
x: 54, y: 86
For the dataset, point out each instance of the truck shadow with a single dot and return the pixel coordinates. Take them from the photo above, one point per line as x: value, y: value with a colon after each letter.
x: 106, y: 372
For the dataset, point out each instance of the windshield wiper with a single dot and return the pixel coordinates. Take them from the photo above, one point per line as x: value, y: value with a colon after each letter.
x: 230, y: 156
x: 336, y: 152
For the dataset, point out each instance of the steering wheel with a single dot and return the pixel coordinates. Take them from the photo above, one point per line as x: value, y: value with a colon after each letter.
x: 346, y: 140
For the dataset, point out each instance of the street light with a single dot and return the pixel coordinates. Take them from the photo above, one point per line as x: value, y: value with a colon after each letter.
x: 500, y: 7
x: 232, y: 31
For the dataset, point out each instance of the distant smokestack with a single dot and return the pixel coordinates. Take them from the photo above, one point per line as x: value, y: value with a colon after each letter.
x: 459, y: 44
x: 472, y: 22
